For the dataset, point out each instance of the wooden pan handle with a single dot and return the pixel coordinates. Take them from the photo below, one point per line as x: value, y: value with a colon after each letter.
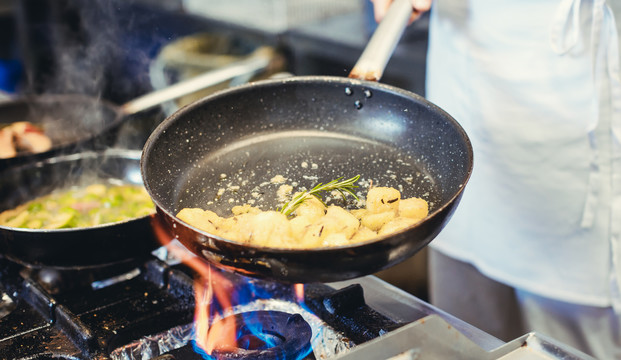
x: 372, y: 62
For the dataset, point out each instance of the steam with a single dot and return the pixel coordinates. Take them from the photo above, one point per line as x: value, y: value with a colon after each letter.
x: 88, y: 48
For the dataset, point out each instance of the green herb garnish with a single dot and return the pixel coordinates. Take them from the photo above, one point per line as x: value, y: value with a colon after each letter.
x: 345, y: 186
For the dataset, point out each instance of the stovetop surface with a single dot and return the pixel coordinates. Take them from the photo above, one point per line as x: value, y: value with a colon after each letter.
x: 89, y: 322
x: 148, y: 313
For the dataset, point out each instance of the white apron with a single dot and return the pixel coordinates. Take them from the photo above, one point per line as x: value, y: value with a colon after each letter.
x: 535, y: 84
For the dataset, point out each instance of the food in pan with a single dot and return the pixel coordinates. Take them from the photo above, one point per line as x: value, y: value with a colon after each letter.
x: 22, y: 136
x: 80, y: 207
x: 307, y: 222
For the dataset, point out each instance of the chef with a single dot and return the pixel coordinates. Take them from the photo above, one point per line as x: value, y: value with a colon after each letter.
x: 535, y: 244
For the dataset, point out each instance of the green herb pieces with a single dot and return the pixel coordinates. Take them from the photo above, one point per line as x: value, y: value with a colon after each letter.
x: 343, y: 187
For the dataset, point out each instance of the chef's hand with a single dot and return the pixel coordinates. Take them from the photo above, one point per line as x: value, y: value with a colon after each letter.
x: 418, y: 8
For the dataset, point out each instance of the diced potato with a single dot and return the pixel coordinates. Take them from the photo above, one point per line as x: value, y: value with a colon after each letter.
x: 336, y: 239
x: 236, y: 228
x: 270, y: 228
x: 205, y: 220
x: 313, y: 237
x: 414, y: 208
x: 396, y: 224
x: 363, y: 234
x: 314, y: 225
x: 383, y: 199
x: 299, y: 225
x: 339, y: 220
x: 358, y: 213
x: 375, y: 221
x: 336, y: 220
x: 312, y: 208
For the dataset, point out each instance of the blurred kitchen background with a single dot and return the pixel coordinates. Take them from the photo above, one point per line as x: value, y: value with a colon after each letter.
x: 119, y: 49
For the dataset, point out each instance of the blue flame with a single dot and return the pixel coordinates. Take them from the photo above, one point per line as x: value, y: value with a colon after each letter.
x: 199, y: 350
x: 243, y: 295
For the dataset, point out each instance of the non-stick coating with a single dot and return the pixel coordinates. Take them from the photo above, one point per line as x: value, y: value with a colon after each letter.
x: 223, y: 150
x: 73, y: 123
x: 80, y: 247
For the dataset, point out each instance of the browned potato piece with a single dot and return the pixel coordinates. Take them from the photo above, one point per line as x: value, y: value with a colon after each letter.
x: 313, y: 237
x: 375, y: 221
x: 358, y: 213
x: 363, y: 234
x: 414, y: 208
x: 299, y: 225
x: 311, y: 208
x: 268, y: 228
x: 396, y: 224
x: 236, y: 227
x: 339, y: 220
x: 205, y: 220
x: 336, y: 221
x: 382, y: 199
x: 336, y: 239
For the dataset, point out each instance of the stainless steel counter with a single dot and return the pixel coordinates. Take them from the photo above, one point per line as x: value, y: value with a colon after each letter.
x: 434, y: 334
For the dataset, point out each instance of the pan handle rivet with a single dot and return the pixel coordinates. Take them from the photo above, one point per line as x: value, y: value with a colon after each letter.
x: 368, y: 93
x: 358, y: 104
x: 349, y: 91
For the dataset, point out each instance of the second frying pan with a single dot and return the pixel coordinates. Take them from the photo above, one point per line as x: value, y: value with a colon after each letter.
x: 75, y: 122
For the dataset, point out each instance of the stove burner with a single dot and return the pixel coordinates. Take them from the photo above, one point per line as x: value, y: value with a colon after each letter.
x: 268, y: 335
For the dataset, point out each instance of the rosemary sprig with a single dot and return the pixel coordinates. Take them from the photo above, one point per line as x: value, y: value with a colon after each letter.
x: 345, y: 186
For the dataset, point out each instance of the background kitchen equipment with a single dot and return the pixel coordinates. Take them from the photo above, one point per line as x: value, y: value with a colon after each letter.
x: 75, y: 122
x: 195, y: 54
x: 270, y: 15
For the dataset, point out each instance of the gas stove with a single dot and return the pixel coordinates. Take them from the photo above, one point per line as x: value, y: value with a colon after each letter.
x: 146, y: 310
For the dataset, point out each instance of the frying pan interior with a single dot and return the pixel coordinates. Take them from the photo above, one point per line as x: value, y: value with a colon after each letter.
x: 308, y: 132
x: 79, y: 247
x: 71, y: 122
x: 224, y: 150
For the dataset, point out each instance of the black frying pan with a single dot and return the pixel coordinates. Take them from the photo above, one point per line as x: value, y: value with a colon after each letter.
x: 308, y: 129
x: 77, y: 122
x: 224, y: 149
x: 80, y: 247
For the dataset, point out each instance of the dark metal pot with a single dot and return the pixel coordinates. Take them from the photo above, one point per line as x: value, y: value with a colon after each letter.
x: 78, y: 247
x: 77, y: 122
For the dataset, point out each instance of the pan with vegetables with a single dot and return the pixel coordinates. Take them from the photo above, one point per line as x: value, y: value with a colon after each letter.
x: 79, y: 210
x: 240, y: 146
